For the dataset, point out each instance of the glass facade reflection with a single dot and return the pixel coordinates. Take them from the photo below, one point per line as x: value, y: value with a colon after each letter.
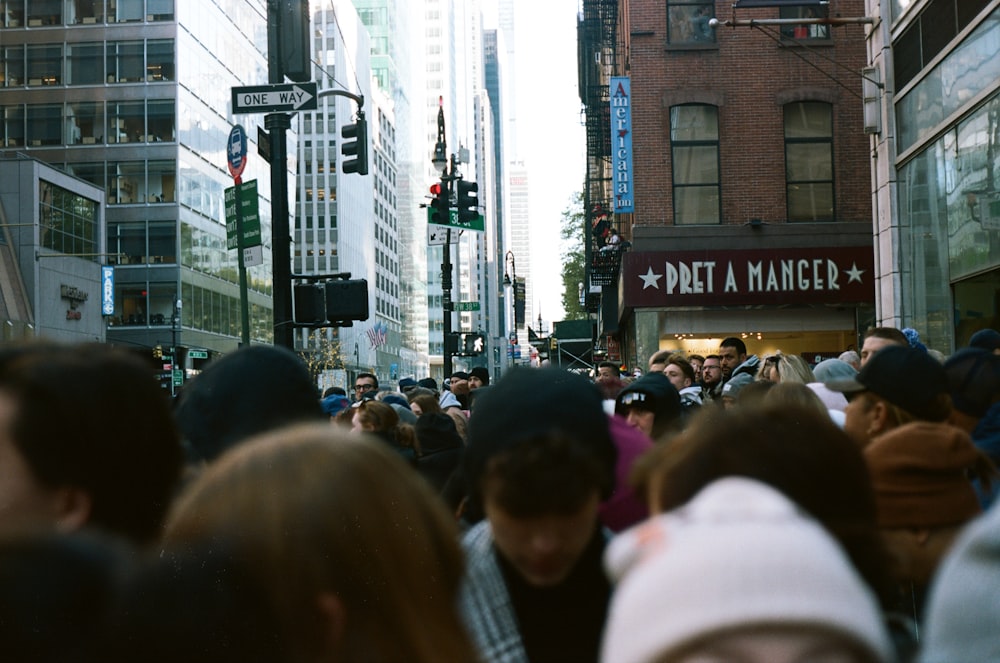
x: 133, y: 96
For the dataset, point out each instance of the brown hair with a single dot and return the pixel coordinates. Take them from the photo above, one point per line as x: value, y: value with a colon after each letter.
x: 314, y: 511
x: 384, y: 421
x: 796, y: 450
x: 427, y: 403
x: 681, y: 362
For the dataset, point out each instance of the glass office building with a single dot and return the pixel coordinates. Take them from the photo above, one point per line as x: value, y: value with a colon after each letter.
x: 134, y: 97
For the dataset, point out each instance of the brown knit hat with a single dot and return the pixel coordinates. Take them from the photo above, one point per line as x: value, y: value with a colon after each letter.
x: 920, y: 472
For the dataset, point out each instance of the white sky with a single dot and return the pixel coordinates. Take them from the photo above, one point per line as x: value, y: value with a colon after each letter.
x: 550, y: 136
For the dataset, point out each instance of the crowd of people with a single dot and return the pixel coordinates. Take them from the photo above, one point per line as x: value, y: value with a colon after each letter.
x: 725, y: 507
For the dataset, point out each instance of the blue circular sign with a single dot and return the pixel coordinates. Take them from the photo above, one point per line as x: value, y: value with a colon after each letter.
x: 236, y: 150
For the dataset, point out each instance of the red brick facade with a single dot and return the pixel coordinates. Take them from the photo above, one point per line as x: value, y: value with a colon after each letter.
x: 749, y: 73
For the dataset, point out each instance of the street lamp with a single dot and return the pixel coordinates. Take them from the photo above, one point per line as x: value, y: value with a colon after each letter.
x: 441, y: 164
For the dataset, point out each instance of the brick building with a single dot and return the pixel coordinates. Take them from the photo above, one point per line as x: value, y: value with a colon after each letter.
x: 743, y: 152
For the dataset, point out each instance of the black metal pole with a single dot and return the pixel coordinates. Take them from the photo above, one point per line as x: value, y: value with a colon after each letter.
x: 446, y: 302
x: 281, y: 256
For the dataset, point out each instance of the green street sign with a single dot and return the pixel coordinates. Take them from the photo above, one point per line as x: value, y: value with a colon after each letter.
x: 249, y: 208
x: 467, y: 306
x: 478, y: 224
x: 197, y: 354
x: 178, y: 376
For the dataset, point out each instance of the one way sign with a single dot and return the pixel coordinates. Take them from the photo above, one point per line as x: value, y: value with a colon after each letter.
x: 274, y: 98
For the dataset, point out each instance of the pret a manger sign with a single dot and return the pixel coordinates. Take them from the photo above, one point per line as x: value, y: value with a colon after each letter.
x: 777, y: 276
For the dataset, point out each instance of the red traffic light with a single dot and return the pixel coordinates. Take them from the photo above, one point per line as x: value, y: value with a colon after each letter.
x: 436, y: 189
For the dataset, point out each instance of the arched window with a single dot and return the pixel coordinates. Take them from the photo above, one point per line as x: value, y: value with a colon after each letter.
x: 694, y: 150
x: 809, y: 161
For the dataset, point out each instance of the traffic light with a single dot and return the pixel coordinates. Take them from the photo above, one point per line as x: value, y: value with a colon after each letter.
x: 475, y: 344
x: 468, y: 201
x: 293, y: 40
x: 451, y: 343
x: 331, y: 304
x: 158, y: 352
x: 440, y: 204
x: 356, y: 150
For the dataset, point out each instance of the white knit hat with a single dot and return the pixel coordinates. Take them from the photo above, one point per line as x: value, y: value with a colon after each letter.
x: 738, y: 554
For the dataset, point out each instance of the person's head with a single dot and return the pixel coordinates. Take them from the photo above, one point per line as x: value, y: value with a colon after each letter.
x: 479, y: 376
x: 829, y: 370
x: 253, y: 390
x: 538, y: 462
x: 607, y: 371
x: 962, y: 610
x: 986, y: 339
x: 658, y: 360
x: 334, y: 404
x: 826, y: 476
x: 365, y: 383
x: 793, y: 368
x: 711, y: 371
x: 459, y: 384
x: 679, y: 371
x: 732, y: 353
x: 696, y: 362
x: 357, y: 556
x: 769, y: 369
x: 650, y: 404
x: 406, y: 384
x: 921, y: 475
x: 896, y: 386
x: 974, y: 385
x: 372, y: 416
x: 770, y: 585
x: 57, y: 592
x: 795, y: 394
x: 334, y: 391
x: 879, y: 338
x: 87, y: 439
x: 425, y: 404
x: 851, y: 357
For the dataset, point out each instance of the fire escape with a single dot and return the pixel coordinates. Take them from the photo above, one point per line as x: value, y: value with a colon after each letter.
x: 598, y: 49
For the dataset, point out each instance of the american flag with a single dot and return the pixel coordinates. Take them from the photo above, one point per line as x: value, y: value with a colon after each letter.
x: 377, y: 334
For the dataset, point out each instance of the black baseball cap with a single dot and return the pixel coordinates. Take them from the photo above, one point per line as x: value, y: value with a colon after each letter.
x: 908, y: 378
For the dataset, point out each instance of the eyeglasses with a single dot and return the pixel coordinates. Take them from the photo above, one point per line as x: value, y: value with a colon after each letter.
x: 363, y: 387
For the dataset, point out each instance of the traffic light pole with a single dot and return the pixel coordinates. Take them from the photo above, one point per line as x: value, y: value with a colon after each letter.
x: 446, y: 284
x: 277, y: 125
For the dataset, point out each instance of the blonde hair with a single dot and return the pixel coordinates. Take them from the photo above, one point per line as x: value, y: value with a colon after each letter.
x: 312, y: 510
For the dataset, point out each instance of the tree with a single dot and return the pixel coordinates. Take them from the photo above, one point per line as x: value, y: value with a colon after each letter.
x: 323, y: 353
x: 573, y: 233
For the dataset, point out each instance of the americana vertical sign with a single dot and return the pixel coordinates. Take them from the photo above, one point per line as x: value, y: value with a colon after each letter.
x: 621, y: 144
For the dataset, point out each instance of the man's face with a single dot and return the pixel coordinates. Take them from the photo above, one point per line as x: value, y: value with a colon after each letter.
x: 362, y: 386
x: 23, y: 500
x: 711, y: 372
x: 475, y: 382
x: 872, y: 346
x: 676, y: 376
x: 640, y: 418
x: 543, y: 549
x: 696, y: 365
x: 730, y: 360
x: 606, y: 374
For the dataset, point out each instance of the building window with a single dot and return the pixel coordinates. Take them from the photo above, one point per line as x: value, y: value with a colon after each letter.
x: 809, y: 161
x: 12, y: 66
x: 806, y: 30
x: 67, y: 221
x: 694, y: 149
x: 44, y: 64
x: 687, y: 22
x: 86, y: 63
x: 45, y: 127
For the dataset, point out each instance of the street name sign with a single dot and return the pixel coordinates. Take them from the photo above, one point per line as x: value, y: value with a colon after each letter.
x: 250, y: 210
x: 478, y: 224
x: 274, y: 98
x: 466, y: 306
